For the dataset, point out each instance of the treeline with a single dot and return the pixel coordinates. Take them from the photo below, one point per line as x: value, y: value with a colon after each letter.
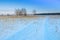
x: 19, y: 12
x: 23, y: 11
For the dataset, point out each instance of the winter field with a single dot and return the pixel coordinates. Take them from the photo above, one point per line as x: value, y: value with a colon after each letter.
x: 30, y: 27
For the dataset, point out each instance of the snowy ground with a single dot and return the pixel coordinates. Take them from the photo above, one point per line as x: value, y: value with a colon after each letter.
x: 40, y: 28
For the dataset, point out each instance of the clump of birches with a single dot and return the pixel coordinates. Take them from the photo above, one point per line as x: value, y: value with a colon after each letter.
x: 23, y: 12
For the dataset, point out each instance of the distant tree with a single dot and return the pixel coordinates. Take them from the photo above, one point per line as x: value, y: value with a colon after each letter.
x: 24, y: 11
x: 8, y: 14
x: 17, y: 11
x: 20, y: 12
x: 34, y: 11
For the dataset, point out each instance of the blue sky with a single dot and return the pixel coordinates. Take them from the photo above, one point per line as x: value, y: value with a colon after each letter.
x: 39, y: 5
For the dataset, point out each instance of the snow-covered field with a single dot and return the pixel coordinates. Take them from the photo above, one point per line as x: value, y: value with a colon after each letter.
x: 30, y: 28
